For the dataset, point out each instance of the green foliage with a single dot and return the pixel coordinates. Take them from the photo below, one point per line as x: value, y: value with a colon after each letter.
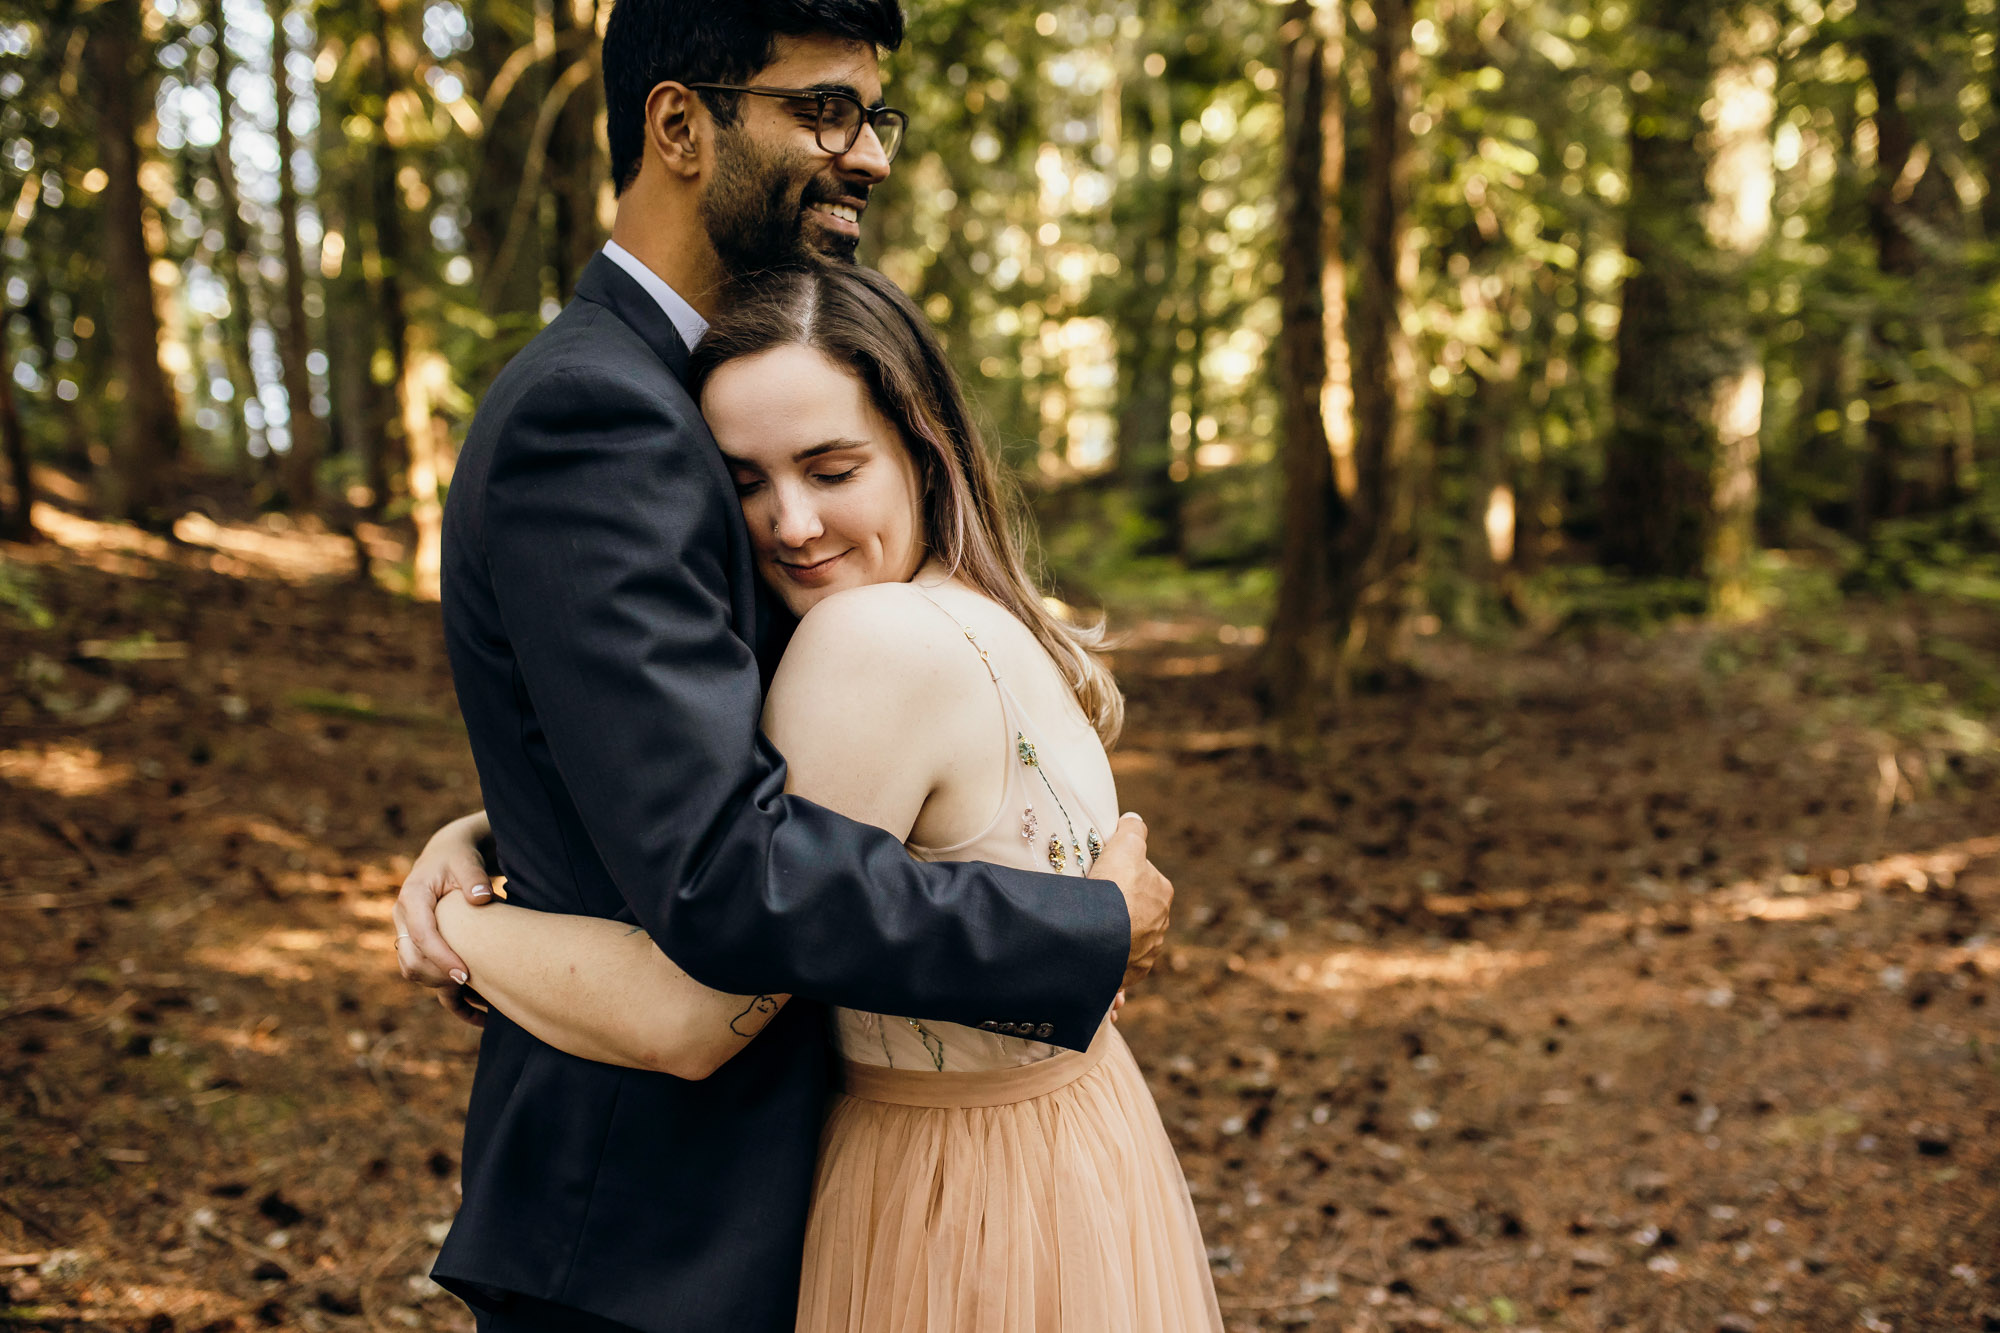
x: 1584, y: 596
x: 1954, y: 554
x: 361, y: 708
x: 18, y: 594
x: 1087, y: 209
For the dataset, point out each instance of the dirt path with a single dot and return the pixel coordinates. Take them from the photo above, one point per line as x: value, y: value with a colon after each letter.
x: 1629, y: 982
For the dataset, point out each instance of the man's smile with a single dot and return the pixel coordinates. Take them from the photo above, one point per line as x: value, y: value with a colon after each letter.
x: 843, y: 217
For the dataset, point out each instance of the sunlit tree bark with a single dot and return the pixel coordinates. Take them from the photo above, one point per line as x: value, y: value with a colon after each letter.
x: 1742, y: 104
x: 1490, y: 519
x: 408, y: 345
x: 1303, y: 663
x: 295, y: 337
x: 1380, y: 551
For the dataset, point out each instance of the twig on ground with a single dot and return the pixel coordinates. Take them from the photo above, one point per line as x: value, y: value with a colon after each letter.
x: 249, y: 1247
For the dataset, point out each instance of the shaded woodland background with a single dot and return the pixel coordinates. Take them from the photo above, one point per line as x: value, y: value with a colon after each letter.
x: 1540, y: 456
x: 1390, y: 315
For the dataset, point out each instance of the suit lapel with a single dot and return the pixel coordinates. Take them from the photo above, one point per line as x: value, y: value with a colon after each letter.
x: 604, y: 283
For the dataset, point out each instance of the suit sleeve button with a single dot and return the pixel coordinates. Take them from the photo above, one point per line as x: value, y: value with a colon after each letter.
x: 1045, y: 1031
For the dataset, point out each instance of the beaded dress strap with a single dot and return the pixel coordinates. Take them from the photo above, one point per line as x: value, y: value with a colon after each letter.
x: 1068, y: 847
x: 971, y: 636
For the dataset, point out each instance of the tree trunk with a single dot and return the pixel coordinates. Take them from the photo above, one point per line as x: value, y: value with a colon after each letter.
x: 149, y: 433
x: 1336, y: 398
x: 1490, y: 521
x: 1150, y: 328
x: 15, y: 524
x: 238, y: 262
x: 1661, y: 454
x: 410, y: 355
x: 575, y: 165
x: 1376, y: 564
x: 358, y: 423
x: 1303, y: 666
x: 1894, y: 474
x: 498, y: 61
x: 1741, y: 182
x: 295, y: 337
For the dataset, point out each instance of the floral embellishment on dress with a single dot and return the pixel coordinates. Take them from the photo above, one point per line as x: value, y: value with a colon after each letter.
x: 1031, y: 822
x: 1026, y: 749
x: 932, y: 1045
x: 1095, y: 843
x: 1058, y: 856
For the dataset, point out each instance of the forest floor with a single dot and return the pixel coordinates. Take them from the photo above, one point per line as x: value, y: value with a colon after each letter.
x: 1602, y: 979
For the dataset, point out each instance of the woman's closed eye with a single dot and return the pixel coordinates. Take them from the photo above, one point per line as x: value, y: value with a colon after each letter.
x: 835, y: 478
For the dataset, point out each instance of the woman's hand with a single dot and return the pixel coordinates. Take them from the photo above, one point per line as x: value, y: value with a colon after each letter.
x: 450, y: 863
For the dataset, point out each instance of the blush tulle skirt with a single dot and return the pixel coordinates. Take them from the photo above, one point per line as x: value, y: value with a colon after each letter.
x: 1044, y: 1199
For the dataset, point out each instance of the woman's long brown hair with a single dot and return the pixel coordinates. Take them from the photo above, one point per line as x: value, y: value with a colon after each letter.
x: 859, y: 319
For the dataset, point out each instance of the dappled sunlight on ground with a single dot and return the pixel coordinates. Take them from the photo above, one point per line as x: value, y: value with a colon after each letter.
x: 63, y: 770
x: 247, y: 550
x: 274, y: 546
x: 1355, y: 969
x: 1579, y: 978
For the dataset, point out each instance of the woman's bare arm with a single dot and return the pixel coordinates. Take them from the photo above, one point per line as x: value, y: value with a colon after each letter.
x: 600, y: 989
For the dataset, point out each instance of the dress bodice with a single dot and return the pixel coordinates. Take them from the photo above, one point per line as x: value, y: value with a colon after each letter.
x: 1041, y: 823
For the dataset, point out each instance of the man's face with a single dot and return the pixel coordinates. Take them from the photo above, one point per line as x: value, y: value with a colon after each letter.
x: 777, y: 199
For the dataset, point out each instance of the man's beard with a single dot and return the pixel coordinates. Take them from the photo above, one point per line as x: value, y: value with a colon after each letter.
x: 755, y: 210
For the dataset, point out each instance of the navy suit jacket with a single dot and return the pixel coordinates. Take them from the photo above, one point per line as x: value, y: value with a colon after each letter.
x: 602, y: 617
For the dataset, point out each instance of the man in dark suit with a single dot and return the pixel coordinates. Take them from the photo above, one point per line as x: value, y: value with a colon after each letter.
x: 604, y: 626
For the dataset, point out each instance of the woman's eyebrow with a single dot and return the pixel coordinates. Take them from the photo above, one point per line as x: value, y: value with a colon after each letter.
x: 803, y: 455
x: 827, y: 447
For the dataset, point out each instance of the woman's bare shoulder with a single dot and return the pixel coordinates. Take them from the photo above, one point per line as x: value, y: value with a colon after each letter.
x: 885, y: 639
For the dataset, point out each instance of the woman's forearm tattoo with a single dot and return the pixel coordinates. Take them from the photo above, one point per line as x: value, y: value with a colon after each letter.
x: 754, y: 1016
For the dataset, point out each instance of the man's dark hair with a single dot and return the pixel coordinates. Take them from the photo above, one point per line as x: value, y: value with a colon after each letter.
x: 648, y: 42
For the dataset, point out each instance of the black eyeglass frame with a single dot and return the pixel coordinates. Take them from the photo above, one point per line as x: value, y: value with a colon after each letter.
x: 864, y: 115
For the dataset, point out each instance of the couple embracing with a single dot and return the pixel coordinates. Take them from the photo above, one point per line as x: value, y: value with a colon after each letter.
x: 798, y: 1010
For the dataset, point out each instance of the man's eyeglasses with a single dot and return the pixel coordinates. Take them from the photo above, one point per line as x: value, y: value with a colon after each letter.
x: 840, y: 116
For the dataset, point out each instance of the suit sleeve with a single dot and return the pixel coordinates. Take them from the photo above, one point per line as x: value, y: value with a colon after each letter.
x: 607, y: 532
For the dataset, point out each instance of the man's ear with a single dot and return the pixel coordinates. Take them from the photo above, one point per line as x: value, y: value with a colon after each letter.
x: 676, y: 125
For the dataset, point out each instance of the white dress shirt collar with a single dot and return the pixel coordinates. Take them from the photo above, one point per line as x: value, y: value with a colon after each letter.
x: 689, y: 324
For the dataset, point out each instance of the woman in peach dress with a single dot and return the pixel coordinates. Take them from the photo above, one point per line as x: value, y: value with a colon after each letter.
x: 970, y: 1180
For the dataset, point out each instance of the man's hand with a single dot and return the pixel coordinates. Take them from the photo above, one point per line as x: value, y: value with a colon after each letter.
x: 1148, y: 894
x: 449, y: 864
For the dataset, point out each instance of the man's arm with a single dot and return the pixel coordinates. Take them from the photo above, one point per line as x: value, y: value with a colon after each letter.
x: 607, y: 537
